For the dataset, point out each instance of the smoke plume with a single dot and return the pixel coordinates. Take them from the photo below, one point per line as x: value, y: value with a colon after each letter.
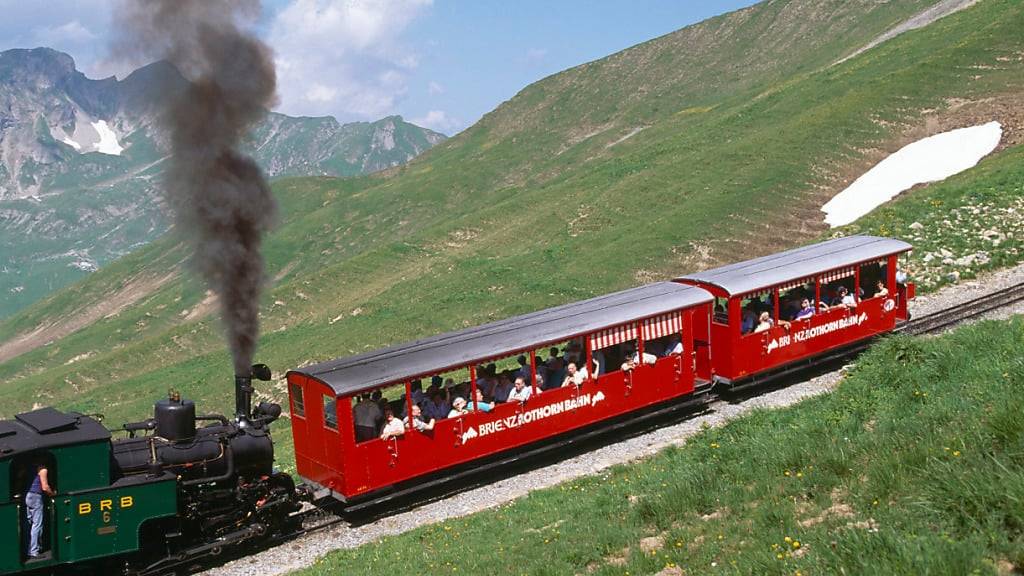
x: 221, y: 200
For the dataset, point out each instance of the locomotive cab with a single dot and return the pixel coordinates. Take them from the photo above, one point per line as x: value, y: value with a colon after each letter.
x: 92, y: 515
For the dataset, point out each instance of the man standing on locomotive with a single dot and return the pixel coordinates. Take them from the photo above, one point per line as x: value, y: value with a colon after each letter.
x: 39, y: 486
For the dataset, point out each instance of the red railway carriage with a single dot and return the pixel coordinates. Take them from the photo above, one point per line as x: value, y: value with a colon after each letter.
x: 653, y: 324
x: 816, y: 298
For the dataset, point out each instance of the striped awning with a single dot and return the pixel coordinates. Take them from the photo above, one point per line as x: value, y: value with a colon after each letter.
x: 838, y: 274
x: 612, y: 336
x: 671, y: 323
x: 794, y: 284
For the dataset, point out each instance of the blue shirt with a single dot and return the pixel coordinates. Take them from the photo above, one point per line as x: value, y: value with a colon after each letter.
x: 483, y: 406
x: 37, y: 486
x: 435, y: 411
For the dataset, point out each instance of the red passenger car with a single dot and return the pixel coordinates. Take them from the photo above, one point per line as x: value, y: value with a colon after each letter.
x: 653, y: 325
x: 816, y: 299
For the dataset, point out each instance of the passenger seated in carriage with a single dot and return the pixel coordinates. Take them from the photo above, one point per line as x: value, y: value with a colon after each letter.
x: 458, y: 408
x: 575, y: 376
x: 393, y: 427
x: 418, y: 422
x: 437, y: 408
x: 503, y: 389
x: 806, y: 310
x: 521, y: 392
x: 480, y: 404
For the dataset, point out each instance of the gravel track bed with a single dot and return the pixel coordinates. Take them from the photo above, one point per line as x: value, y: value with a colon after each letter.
x: 304, y: 551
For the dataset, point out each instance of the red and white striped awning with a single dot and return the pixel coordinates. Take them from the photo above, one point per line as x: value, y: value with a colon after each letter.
x: 802, y: 282
x: 834, y: 275
x: 651, y: 328
x: 612, y: 336
x: 671, y: 323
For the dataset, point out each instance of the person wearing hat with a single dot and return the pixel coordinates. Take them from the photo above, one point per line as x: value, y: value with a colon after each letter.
x: 458, y: 407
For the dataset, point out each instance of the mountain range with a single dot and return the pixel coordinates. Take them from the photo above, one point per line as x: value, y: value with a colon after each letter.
x: 80, y: 164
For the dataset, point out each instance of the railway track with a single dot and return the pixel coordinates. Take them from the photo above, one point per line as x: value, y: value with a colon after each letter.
x: 317, y: 519
x: 953, y: 315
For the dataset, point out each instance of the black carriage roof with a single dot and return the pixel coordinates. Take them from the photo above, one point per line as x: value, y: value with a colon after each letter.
x: 796, y: 264
x: 355, y: 374
x: 47, y: 428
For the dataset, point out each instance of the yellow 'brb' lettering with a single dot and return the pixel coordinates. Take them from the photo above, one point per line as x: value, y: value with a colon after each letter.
x: 108, y: 504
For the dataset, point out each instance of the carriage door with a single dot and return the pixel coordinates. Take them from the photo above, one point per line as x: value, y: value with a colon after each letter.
x: 696, y: 329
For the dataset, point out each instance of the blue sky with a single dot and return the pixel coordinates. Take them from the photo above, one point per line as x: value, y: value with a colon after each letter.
x: 439, y: 63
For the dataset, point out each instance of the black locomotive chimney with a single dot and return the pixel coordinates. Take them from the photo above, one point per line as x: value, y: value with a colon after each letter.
x: 243, y: 396
x: 244, y: 390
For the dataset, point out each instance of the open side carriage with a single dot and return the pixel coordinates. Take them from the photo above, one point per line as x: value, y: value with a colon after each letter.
x: 638, y: 346
x: 816, y: 299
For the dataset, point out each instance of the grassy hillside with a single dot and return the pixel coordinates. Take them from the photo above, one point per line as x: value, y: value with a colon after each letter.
x: 714, y: 143
x: 912, y: 466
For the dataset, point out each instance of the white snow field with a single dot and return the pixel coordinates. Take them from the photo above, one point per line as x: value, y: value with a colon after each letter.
x: 930, y: 159
x: 108, y: 140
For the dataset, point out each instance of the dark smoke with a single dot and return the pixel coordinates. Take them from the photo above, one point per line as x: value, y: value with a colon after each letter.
x: 221, y: 200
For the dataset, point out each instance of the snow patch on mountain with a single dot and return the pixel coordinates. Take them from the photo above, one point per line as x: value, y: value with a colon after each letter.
x: 931, y: 159
x: 108, y: 143
x: 90, y: 135
x: 71, y: 143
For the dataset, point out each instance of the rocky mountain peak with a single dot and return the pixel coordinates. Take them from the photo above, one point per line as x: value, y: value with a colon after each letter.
x: 88, y: 155
x: 39, y: 67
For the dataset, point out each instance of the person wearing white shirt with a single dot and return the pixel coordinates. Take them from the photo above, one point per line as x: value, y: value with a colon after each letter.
x: 574, y: 375
x: 393, y: 427
x: 521, y: 393
x: 458, y: 407
x: 417, y: 420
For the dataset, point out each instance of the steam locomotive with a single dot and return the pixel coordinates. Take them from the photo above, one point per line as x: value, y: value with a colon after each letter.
x: 179, y: 486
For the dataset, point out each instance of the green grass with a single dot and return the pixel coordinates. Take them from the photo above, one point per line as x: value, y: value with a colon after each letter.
x: 913, y: 465
x: 522, y: 212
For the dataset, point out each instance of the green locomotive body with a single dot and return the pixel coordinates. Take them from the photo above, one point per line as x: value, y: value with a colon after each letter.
x: 168, y: 493
x: 94, y: 514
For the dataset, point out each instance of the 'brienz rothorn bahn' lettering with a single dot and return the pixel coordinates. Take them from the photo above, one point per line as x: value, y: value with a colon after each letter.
x: 815, y: 331
x: 521, y: 418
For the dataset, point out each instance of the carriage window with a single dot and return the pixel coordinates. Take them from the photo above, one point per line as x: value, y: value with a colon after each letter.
x: 370, y: 409
x: 838, y: 290
x: 721, y: 315
x: 752, y: 306
x: 664, y: 346
x: 330, y: 414
x: 797, y: 302
x: 298, y: 404
x: 874, y: 280
x: 554, y: 360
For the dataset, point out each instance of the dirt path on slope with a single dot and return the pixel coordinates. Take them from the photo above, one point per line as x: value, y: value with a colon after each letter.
x: 920, y: 20
x: 132, y: 291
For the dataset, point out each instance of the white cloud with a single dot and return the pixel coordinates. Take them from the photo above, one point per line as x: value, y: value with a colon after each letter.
x: 343, y: 57
x: 319, y: 93
x: 434, y: 88
x: 71, y: 32
x: 440, y: 121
